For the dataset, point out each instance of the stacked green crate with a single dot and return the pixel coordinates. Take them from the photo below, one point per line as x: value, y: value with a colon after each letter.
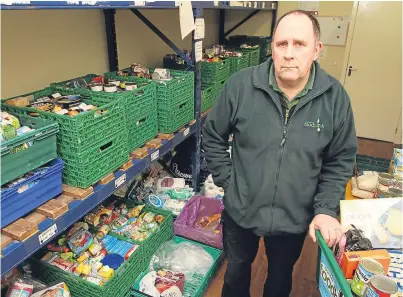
x: 209, y: 95
x: 263, y: 41
x: 92, y: 144
x: 254, y: 55
x: 213, y: 72
x: 139, y: 105
x: 238, y: 63
x: 175, y: 99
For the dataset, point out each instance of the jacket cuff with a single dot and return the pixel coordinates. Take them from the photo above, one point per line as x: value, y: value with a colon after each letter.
x: 325, y: 211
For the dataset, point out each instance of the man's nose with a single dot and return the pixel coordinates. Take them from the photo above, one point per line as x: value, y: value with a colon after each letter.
x: 289, y: 53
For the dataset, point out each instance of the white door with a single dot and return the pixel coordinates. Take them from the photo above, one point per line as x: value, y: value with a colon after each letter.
x: 374, y: 71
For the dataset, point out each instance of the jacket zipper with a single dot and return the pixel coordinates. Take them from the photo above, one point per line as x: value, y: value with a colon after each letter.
x: 286, y: 123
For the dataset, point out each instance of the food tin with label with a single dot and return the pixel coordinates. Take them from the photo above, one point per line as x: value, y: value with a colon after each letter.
x: 366, y: 269
x: 381, y: 286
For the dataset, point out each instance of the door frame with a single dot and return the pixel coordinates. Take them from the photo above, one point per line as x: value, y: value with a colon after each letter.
x: 349, y: 42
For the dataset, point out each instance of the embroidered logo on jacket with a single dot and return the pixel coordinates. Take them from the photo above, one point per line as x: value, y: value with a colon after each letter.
x: 318, y: 125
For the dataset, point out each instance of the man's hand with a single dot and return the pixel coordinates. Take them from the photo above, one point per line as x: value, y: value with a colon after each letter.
x: 328, y: 226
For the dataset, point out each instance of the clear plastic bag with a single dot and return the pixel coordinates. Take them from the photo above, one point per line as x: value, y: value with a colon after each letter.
x: 183, y: 257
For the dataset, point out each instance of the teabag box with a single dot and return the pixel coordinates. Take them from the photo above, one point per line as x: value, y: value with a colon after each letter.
x: 381, y: 220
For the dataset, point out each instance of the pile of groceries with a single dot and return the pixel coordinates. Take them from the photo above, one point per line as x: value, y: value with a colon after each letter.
x: 104, y: 84
x: 139, y: 71
x: 11, y: 128
x: 96, y: 247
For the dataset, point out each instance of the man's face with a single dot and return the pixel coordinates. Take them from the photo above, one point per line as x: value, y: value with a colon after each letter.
x: 294, y: 48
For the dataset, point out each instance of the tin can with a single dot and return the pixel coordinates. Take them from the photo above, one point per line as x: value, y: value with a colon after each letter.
x: 381, y: 286
x: 102, y: 231
x: 366, y: 269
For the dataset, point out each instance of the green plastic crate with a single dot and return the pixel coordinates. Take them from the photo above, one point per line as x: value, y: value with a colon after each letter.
x: 84, y: 169
x: 212, y: 72
x: 238, y: 63
x: 81, y: 131
x: 156, y: 239
x: 209, y: 95
x: 118, y: 286
x: 254, y: 56
x: 169, y: 92
x: 15, y: 163
x: 172, y: 118
x: 219, y: 85
x: 330, y: 278
x: 194, y: 289
x: 134, y: 103
x: 372, y: 163
x: 130, y: 100
x: 143, y: 129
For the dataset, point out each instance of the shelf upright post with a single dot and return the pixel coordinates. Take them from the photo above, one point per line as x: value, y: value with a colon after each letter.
x: 221, y: 28
x: 273, y: 19
x: 109, y: 15
x: 197, y: 13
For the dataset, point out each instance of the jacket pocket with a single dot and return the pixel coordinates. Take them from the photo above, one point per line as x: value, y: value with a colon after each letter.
x: 236, y: 197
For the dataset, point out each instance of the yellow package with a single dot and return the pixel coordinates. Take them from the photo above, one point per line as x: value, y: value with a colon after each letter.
x: 106, y: 273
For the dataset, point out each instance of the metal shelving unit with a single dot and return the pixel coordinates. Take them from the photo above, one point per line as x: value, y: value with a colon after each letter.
x: 17, y: 252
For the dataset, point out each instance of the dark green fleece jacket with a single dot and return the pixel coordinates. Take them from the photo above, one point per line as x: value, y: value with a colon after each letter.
x: 282, y: 173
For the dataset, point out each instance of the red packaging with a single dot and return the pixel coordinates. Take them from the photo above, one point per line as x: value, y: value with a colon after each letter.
x: 62, y: 264
x: 55, y: 248
x: 381, y: 286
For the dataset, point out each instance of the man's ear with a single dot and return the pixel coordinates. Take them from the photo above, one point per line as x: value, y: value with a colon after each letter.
x: 318, y: 49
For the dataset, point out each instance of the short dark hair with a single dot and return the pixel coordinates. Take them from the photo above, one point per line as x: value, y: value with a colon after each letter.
x: 315, y: 23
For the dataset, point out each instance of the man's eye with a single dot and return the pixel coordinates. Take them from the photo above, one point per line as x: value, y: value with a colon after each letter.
x: 283, y: 44
x: 299, y: 44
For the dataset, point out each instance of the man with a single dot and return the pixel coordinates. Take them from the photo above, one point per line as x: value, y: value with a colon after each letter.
x: 293, y: 153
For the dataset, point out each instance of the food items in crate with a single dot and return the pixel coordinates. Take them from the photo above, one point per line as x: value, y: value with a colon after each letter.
x: 365, y: 270
x: 80, y: 241
x: 163, y: 283
x: 105, y: 273
x: 57, y: 248
x: 381, y: 286
x: 19, y: 182
x: 11, y: 128
x: 58, y: 290
x: 351, y: 260
x: 61, y: 264
x: 136, y: 70
x: 246, y: 46
x: 95, y: 217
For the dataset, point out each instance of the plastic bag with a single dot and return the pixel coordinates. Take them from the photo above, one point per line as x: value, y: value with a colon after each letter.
x: 184, y: 257
x: 356, y: 241
x: 197, y: 210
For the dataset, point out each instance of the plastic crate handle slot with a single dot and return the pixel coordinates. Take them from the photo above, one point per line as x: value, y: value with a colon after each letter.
x: 106, y: 146
x: 182, y: 105
x: 141, y: 122
x: 139, y: 93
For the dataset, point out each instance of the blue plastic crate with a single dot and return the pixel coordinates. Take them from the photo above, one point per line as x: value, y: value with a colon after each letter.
x: 24, y: 197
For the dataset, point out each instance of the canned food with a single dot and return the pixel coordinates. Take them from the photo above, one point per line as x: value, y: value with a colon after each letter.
x: 381, y: 286
x: 130, y: 86
x: 366, y: 269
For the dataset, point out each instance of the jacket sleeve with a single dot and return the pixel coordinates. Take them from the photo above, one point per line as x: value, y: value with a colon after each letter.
x: 216, y: 130
x: 338, y: 166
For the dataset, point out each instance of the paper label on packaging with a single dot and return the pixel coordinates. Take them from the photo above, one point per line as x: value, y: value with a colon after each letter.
x: 48, y: 233
x: 120, y: 180
x: 186, y: 132
x: 139, y: 3
x: 155, y: 155
x: 172, y: 292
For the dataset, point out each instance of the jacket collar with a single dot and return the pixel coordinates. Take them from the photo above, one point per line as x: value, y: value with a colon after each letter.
x: 260, y: 78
